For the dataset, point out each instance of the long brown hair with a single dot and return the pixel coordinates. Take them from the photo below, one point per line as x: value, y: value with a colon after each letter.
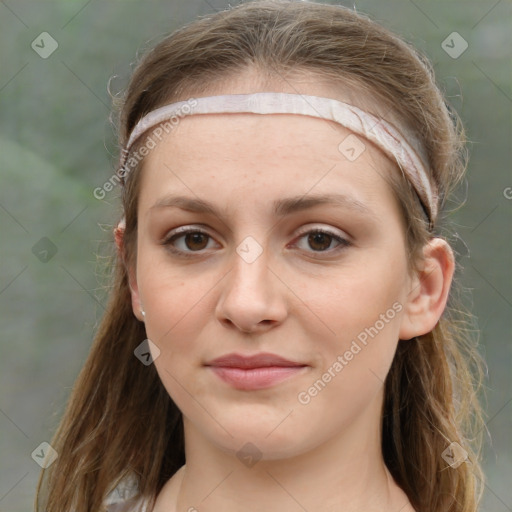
x: 120, y: 420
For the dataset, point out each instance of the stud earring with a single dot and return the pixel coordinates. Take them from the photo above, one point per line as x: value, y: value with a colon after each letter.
x: 143, y: 313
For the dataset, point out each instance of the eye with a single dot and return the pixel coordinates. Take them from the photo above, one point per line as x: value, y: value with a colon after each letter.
x: 194, y: 240
x: 320, y: 240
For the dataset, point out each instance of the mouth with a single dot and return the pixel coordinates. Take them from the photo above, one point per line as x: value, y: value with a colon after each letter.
x: 254, y: 372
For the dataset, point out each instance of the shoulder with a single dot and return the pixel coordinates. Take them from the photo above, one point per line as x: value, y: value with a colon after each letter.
x: 125, y: 497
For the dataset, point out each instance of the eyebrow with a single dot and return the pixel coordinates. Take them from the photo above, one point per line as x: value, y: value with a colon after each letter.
x: 280, y: 207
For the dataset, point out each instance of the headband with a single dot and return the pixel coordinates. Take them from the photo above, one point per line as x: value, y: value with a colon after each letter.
x: 383, y: 134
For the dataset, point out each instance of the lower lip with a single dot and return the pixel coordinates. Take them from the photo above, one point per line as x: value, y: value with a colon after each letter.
x: 256, y: 378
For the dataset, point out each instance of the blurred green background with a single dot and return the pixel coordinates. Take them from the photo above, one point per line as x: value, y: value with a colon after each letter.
x: 57, y: 144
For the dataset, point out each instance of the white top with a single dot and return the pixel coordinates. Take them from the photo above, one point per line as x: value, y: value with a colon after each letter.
x: 124, y: 498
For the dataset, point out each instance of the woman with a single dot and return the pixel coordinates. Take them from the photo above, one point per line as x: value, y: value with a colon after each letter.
x: 282, y: 332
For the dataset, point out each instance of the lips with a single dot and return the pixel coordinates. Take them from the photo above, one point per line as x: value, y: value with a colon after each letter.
x: 254, y: 372
x: 255, y: 361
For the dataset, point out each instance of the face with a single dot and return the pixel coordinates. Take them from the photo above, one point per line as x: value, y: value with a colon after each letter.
x: 301, y: 254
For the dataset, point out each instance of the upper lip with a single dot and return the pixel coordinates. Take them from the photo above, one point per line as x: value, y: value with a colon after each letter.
x: 261, y: 360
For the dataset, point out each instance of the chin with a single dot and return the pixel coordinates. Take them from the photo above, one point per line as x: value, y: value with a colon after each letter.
x: 261, y: 439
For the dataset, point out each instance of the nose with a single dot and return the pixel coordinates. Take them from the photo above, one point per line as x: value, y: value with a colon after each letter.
x: 252, y: 297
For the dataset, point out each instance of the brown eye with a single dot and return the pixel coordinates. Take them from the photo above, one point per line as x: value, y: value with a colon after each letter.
x: 196, y: 240
x: 320, y: 241
x: 187, y: 241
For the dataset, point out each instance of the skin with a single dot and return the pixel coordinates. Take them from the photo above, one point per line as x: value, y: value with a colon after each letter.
x: 302, y: 300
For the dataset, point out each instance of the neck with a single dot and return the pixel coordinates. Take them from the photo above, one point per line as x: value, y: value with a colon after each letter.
x: 344, y: 473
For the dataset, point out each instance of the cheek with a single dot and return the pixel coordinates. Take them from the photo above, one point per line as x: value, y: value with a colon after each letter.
x: 354, y: 368
x: 354, y: 299
x: 173, y: 312
x: 178, y: 305
x: 169, y: 299
x: 359, y: 314
x: 363, y: 346
x: 175, y: 315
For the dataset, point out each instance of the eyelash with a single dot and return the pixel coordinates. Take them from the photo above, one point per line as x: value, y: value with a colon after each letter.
x: 181, y: 232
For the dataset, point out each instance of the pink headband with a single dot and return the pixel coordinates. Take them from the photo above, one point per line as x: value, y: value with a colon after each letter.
x: 381, y: 133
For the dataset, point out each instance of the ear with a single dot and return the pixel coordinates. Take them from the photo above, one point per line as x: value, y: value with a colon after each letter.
x: 132, y: 279
x: 429, y: 290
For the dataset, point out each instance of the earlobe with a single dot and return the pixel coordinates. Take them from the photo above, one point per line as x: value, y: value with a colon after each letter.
x: 429, y: 290
x: 138, y: 310
x: 132, y: 280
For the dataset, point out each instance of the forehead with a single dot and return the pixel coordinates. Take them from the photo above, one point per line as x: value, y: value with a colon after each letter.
x: 262, y: 158
x: 283, y: 141
x: 242, y: 135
